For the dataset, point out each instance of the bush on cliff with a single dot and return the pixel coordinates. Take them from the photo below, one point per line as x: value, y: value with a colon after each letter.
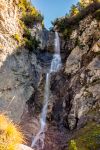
x: 9, y: 134
x: 66, y: 24
x: 30, y: 14
x: 16, y: 37
x: 85, y: 3
x: 30, y: 42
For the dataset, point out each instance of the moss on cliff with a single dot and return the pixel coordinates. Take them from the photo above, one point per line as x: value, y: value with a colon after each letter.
x: 87, y: 138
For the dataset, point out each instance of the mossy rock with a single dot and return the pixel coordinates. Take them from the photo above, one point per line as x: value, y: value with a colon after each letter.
x: 87, y: 138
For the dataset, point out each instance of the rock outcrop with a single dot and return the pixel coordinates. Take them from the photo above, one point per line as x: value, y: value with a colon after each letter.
x: 19, y: 71
x: 82, y: 67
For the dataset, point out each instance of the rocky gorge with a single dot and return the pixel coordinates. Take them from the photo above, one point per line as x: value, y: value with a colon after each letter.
x: 73, y: 117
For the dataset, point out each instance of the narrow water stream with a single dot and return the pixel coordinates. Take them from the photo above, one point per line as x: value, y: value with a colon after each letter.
x: 38, y: 142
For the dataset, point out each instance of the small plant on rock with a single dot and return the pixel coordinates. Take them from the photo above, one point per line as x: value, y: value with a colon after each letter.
x: 16, y: 37
x: 73, y: 145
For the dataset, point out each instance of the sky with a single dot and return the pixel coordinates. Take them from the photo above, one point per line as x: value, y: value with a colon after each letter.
x: 52, y: 9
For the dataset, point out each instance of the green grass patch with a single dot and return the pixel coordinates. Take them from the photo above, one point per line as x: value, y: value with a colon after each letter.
x: 87, y: 138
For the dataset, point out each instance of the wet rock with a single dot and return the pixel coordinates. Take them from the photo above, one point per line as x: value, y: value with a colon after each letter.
x: 45, y: 37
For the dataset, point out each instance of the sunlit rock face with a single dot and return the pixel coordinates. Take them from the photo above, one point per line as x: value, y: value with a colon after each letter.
x: 76, y: 86
x: 75, y: 91
x: 8, y: 27
x: 19, y: 71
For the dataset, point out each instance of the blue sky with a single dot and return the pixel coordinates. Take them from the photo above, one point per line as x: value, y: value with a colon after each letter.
x: 52, y: 9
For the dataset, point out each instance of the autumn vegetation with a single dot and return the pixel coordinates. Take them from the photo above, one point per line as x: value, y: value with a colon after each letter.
x: 29, y: 17
x: 10, y: 135
x: 79, y: 11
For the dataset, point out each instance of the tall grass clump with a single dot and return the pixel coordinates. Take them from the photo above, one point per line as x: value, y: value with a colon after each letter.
x: 10, y: 136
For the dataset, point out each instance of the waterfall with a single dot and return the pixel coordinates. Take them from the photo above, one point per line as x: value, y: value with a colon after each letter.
x: 38, y: 141
x: 56, y: 61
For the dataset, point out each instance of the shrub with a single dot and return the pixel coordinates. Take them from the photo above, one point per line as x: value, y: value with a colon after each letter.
x: 9, y: 134
x: 17, y: 37
x: 67, y: 32
x: 85, y: 3
x: 23, y: 5
x: 22, y: 24
x: 74, y: 10
x: 97, y: 14
x: 72, y: 145
x: 32, y: 44
x: 27, y: 33
x: 30, y: 19
x: 30, y: 14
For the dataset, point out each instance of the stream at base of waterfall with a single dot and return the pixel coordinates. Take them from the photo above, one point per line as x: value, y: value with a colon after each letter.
x: 38, y: 141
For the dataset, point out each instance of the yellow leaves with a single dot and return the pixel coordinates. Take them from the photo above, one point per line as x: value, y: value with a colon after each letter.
x: 87, y: 2
x: 74, y: 10
x: 34, y: 12
x: 73, y: 145
x: 17, y: 37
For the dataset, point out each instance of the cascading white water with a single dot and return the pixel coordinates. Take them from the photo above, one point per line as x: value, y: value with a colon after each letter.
x: 38, y: 141
x: 56, y: 61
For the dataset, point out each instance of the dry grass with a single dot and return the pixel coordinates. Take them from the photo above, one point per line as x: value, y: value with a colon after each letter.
x: 9, y: 134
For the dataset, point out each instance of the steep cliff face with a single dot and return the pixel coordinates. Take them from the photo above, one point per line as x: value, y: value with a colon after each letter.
x: 8, y: 26
x: 82, y: 67
x: 74, y: 90
x: 19, y: 72
x: 74, y: 102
